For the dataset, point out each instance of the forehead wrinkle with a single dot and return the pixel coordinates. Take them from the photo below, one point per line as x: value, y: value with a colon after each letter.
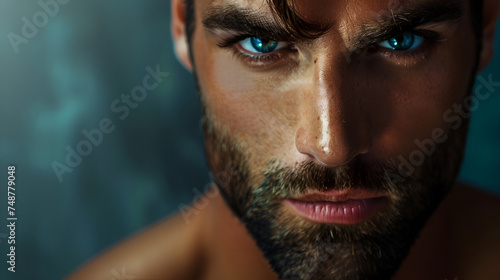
x: 347, y: 27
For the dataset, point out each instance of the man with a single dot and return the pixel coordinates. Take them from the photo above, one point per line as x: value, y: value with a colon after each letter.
x: 333, y: 130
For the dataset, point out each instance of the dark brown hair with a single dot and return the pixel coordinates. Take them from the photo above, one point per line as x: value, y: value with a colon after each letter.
x: 285, y: 13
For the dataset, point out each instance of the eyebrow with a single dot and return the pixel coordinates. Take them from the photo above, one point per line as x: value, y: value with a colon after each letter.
x: 245, y: 21
x: 408, y: 19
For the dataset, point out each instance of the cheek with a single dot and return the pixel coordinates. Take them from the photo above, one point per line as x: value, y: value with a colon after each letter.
x: 258, y: 111
x: 421, y: 97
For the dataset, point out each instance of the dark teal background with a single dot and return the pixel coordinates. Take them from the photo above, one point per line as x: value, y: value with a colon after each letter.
x: 65, y: 79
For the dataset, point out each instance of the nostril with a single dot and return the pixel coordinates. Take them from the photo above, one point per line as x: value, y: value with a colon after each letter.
x: 320, y: 161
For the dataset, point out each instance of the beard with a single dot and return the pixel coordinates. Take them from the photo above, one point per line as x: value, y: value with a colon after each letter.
x: 299, y: 249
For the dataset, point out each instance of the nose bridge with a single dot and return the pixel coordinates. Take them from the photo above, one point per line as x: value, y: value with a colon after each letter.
x: 334, y: 127
x: 328, y: 107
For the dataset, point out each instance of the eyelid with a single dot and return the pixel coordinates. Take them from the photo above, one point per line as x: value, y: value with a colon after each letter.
x: 411, y: 56
x: 229, y: 39
x: 374, y: 39
x: 259, y: 61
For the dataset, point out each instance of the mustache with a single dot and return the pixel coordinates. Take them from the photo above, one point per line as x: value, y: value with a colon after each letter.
x: 286, y: 181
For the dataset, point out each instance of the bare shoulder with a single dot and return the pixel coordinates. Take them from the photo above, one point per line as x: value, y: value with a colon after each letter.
x: 169, y: 249
x: 460, y: 240
x: 475, y: 207
x: 473, y: 216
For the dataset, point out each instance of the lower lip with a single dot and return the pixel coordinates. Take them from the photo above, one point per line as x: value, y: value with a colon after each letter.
x: 347, y: 212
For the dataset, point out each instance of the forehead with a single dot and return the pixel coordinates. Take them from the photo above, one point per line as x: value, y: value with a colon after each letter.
x: 330, y: 12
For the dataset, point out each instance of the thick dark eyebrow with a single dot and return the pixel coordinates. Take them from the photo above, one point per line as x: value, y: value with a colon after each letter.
x: 406, y: 20
x: 245, y: 22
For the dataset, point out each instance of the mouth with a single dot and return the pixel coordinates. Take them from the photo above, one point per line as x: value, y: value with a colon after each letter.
x: 345, y: 207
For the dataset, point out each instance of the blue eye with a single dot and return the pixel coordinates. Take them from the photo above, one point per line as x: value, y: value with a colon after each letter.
x: 258, y: 45
x: 405, y: 42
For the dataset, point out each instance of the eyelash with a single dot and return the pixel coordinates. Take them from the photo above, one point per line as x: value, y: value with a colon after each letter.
x: 430, y: 39
x: 256, y: 60
x: 263, y: 60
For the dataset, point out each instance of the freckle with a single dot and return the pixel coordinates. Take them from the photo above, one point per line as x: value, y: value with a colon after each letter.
x: 315, y: 60
x: 318, y: 119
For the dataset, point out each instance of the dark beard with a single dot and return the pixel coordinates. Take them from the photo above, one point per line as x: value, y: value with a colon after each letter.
x: 298, y: 249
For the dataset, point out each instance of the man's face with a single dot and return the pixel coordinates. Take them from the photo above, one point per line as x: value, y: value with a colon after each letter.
x: 357, y: 113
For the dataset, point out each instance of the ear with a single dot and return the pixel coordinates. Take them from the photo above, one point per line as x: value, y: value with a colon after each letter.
x: 490, y: 15
x: 179, y: 33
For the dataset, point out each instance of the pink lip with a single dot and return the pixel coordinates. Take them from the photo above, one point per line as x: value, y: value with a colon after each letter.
x: 337, y: 207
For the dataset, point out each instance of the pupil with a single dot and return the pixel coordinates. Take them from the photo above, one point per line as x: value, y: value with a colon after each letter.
x: 263, y: 46
x: 403, y: 42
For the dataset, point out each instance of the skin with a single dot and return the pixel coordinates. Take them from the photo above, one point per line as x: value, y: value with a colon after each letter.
x: 317, y: 104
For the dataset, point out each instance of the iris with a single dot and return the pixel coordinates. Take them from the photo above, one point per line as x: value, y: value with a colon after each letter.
x: 263, y: 46
x: 405, y: 42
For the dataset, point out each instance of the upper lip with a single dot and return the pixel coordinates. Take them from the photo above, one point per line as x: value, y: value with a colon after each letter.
x: 337, y: 196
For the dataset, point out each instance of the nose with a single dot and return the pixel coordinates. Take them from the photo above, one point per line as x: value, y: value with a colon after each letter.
x: 334, y: 127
